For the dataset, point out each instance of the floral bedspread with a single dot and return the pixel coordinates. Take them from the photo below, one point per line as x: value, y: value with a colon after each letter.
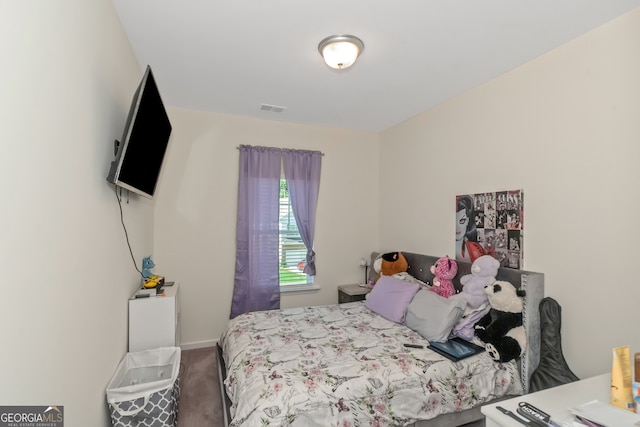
x: 343, y: 365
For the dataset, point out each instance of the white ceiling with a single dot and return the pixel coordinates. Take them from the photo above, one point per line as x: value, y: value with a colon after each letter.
x: 231, y: 56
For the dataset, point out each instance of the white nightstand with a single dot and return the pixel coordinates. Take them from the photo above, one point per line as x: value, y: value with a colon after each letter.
x: 155, y: 321
x: 555, y: 401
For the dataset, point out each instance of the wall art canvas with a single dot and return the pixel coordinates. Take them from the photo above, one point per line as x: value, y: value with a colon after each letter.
x: 490, y: 224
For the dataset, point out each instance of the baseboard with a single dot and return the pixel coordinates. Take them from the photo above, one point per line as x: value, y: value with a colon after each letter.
x: 198, y: 344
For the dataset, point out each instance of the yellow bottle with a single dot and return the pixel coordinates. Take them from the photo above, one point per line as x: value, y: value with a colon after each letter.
x: 621, y: 393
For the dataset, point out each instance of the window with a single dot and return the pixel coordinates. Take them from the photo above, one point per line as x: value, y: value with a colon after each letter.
x: 261, y: 249
x: 291, y: 251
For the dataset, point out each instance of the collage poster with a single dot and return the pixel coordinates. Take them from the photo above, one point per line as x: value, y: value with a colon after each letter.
x: 490, y: 224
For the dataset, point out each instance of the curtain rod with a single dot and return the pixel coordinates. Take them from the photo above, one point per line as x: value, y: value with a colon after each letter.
x: 321, y: 153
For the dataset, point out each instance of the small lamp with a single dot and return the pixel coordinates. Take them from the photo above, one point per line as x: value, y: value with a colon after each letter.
x: 364, y: 263
x: 341, y: 51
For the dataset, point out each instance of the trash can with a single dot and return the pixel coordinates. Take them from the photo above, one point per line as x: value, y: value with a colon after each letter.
x: 145, y: 389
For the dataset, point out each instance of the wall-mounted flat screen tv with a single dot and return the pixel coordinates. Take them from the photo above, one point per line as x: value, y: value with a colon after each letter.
x: 140, y: 152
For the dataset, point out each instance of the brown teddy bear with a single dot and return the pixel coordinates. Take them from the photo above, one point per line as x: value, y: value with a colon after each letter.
x: 390, y: 263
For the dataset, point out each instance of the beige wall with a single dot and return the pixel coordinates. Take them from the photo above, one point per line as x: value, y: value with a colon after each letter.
x: 68, y: 75
x: 194, y: 238
x: 565, y: 129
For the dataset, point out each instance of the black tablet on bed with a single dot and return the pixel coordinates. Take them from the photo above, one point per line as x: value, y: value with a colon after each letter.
x: 456, y: 348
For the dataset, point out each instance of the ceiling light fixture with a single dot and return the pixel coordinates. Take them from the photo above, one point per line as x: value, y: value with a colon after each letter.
x: 341, y: 51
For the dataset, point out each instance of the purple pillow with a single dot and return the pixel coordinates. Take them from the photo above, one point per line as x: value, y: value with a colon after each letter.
x: 390, y: 297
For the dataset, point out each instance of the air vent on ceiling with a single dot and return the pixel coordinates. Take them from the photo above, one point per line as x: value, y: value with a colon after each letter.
x: 272, y: 108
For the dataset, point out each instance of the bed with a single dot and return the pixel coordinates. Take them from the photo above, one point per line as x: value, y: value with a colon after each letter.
x: 344, y: 365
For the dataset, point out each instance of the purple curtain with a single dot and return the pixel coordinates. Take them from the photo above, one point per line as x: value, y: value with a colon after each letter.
x: 302, y: 171
x: 256, y: 285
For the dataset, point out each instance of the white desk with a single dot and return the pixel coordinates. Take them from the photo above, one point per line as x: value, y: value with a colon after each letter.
x: 554, y: 401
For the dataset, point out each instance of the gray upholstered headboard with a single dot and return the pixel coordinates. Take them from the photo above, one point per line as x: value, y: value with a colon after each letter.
x: 531, y: 282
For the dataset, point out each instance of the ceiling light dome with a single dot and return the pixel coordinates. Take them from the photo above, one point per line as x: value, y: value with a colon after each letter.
x: 341, y: 51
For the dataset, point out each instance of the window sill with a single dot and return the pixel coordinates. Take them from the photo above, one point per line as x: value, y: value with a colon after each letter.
x: 298, y: 288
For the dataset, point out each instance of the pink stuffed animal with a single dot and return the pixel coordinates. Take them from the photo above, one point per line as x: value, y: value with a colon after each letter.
x: 445, y: 269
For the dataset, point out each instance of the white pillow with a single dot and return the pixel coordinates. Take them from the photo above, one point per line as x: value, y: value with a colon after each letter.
x: 409, y: 278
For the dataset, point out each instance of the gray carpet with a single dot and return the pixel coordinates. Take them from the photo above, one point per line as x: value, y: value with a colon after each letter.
x: 200, y: 401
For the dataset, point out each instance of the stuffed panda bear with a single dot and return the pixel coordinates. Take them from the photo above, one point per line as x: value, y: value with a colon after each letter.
x: 501, y: 329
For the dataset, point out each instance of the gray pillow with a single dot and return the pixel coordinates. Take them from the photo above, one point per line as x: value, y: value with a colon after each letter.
x: 433, y: 316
